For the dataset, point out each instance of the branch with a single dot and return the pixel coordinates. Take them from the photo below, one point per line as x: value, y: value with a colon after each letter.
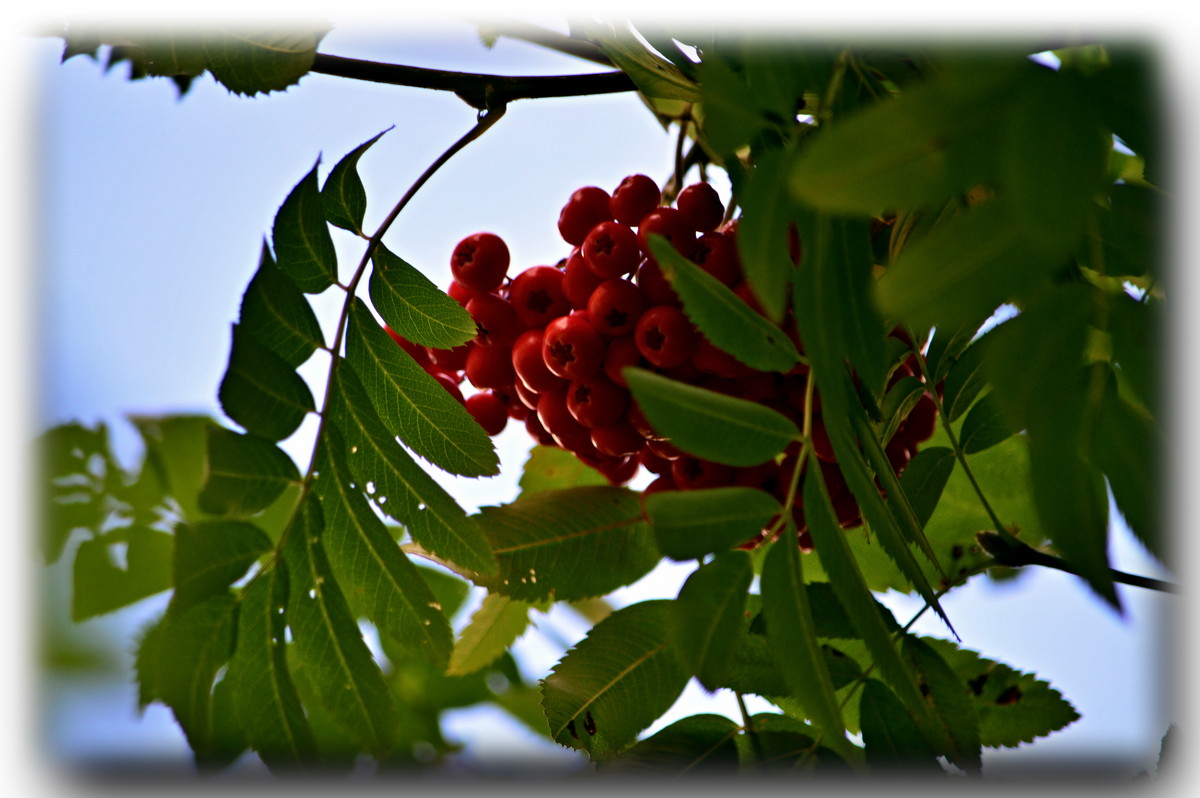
x: 477, y: 90
x: 1013, y: 553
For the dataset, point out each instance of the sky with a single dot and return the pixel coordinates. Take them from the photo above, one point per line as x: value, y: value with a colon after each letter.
x: 149, y: 216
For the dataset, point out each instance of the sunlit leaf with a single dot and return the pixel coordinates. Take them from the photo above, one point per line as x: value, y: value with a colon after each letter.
x: 494, y: 627
x: 414, y: 307
x: 569, y: 544
x: 552, y: 468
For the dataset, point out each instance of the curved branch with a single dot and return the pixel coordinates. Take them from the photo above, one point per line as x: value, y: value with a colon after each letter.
x: 477, y: 90
x: 1013, y: 553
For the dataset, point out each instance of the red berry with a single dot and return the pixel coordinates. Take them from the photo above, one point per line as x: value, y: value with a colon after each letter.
x: 691, y: 473
x: 480, y: 262
x: 537, y: 295
x: 490, y: 366
x: 533, y: 425
x: 701, y: 206
x: 488, y: 409
x: 618, y: 470
x: 670, y: 224
x: 448, y: 382
x: 461, y: 293
x: 655, y: 287
x: 611, y: 250
x: 597, y: 401
x: 451, y: 359
x: 586, y: 208
x: 717, y: 254
x: 495, y: 319
x: 572, y: 347
x: 921, y: 421
x: 415, y: 351
x: 621, y: 352
x: 618, y: 439
x: 664, y: 336
x: 615, y: 306
x: 557, y: 419
x: 633, y: 199
x: 530, y: 365
x: 579, y: 280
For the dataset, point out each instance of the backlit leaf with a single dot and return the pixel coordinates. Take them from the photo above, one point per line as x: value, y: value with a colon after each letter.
x: 494, y: 627
x: 924, y: 479
x: 343, y: 195
x: 706, y: 621
x: 721, y: 315
x: 708, y: 424
x: 892, y: 741
x: 569, y: 544
x: 414, y: 307
x: 413, y: 405
x: 552, y: 468
x: 210, y: 556
x: 985, y: 426
x: 245, y: 473
x: 103, y: 584
x: 327, y: 640
x: 690, y: 524
x: 389, y: 587
x: 303, y: 247
x: 400, y: 487
x: 946, y: 693
x: 615, y: 682
x: 277, y: 314
x: 697, y: 745
x: 763, y: 233
x: 254, y: 61
x: 260, y: 390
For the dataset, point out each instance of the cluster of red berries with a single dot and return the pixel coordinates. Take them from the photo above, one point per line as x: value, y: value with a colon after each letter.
x: 553, y: 340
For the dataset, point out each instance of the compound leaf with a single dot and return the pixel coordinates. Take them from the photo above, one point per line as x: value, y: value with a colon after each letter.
x: 102, y: 585
x: 210, y: 556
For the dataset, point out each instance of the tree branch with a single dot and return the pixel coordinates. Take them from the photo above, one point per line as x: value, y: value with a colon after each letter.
x: 1013, y: 553
x: 477, y: 90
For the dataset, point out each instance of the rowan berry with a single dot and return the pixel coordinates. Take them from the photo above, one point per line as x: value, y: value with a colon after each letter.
x: 572, y: 347
x: 664, y: 336
x: 635, y: 197
x: 701, y: 206
x: 489, y: 410
x: 480, y: 262
x: 586, y: 208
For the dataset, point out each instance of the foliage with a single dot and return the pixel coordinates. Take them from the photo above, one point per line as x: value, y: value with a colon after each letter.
x: 928, y: 188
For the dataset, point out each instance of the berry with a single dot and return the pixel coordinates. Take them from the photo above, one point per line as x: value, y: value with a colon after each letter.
x: 717, y: 254
x: 447, y: 381
x: 621, y: 352
x: 618, y: 439
x: 480, y: 262
x: 415, y: 351
x: 530, y: 366
x: 670, y: 224
x: 537, y: 295
x: 664, y: 336
x: 611, y: 250
x: 572, y: 347
x: 495, y: 319
x: 489, y: 410
x: 633, y: 199
x: 615, y: 307
x: 579, y: 281
x: 490, y: 367
x: 596, y: 402
x: 587, y: 207
x: 701, y: 206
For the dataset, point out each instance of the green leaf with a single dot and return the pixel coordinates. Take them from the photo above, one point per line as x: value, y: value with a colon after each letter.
x: 210, y: 556
x: 176, y: 453
x: 303, y: 246
x: 103, y: 584
x: 1132, y: 231
x: 698, y: 745
x: 904, y: 153
x: 1053, y: 159
x: 924, y: 479
x: 552, y: 468
x: 967, y: 377
x: 1013, y: 707
x: 570, y: 544
x: 1128, y: 448
x: 721, y: 315
x: 892, y: 741
x: 706, y: 621
x: 963, y: 270
x: 494, y: 627
x: 762, y: 238
x: 261, y: 391
x: 414, y: 307
x: 855, y: 597
x: 690, y: 524
x: 275, y: 312
x: 615, y: 682
x: 792, y: 633
x: 264, y: 694
x: 985, y: 426
x: 415, y: 406
x: 708, y: 424
x: 653, y: 75
x: 388, y: 585
x: 254, y: 61
x: 343, y: 196
x: 898, y: 403
x: 951, y: 703
x: 245, y: 473
x: 400, y: 487
x: 327, y: 640
x: 72, y: 496
x: 182, y: 658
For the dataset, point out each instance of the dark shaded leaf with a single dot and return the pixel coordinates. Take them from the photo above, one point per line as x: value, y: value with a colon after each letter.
x: 303, y: 246
x: 615, y: 682
x: 245, y: 473
x: 891, y: 738
x: 697, y: 745
x: 708, y: 424
x: 276, y: 313
x: 924, y: 479
x: 763, y: 233
x: 947, y: 695
x: 209, y: 556
x: 985, y: 426
x: 261, y: 391
x: 690, y: 524
x: 706, y: 622
x: 343, y: 195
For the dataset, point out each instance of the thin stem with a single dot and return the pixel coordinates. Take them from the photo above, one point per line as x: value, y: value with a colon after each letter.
x: 748, y: 725
x: 480, y: 91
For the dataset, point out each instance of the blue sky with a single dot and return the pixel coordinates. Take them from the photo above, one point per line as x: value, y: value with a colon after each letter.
x: 150, y: 213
